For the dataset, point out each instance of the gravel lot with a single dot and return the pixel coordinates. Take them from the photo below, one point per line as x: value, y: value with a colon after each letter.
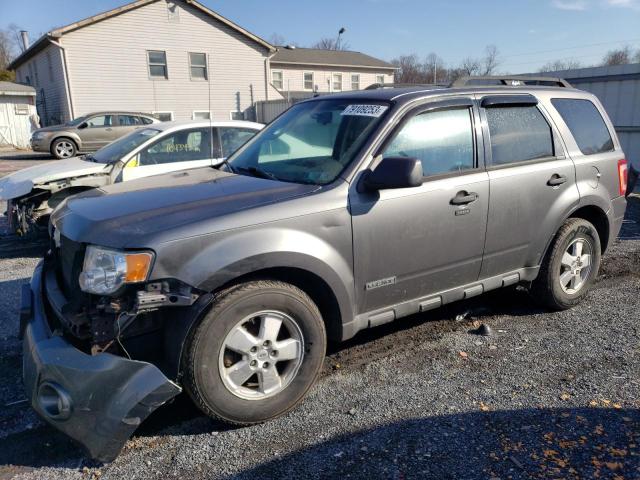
x: 548, y: 395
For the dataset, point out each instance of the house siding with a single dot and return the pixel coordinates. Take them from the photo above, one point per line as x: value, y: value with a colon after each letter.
x: 293, y: 78
x: 46, y: 74
x: 108, y: 68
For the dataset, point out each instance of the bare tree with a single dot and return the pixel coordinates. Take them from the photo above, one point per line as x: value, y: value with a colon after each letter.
x: 327, y: 43
x: 435, y: 69
x: 470, y: 66
x: 409, y: 69
x: 560, y: 65
x: 621, y: 56
x: 636, y: 59
x: 490, y: 61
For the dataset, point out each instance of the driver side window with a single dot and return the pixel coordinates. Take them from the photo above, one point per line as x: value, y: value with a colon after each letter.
x: 182, y: 146
x: 442, y: 140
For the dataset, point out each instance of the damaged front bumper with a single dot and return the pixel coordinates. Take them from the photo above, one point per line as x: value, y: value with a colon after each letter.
x: 98, y: 400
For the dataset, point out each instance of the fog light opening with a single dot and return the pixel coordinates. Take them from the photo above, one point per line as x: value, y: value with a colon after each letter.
x: 54, y: 401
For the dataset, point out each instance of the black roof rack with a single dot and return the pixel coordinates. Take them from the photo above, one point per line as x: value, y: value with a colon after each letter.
x: 376, y: 86
x: 510, y: 81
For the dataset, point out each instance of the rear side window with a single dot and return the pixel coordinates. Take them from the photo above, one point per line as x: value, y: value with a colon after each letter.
x: 586, y: 124
x: 518, y: 134
x: 441, y: 140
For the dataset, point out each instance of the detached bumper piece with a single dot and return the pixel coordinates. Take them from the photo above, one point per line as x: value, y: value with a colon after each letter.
x: 97, y: 400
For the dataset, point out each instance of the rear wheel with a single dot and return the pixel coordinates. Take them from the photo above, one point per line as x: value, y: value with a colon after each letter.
x: 256, y: 353
x: 63, y: 148
x: 570, y: 266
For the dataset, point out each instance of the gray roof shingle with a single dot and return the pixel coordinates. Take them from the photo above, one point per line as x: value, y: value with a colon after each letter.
x: 10, y: 88
x: 314, y: 56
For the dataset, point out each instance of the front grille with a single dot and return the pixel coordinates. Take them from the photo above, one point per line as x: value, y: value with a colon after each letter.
x: 69, y: 259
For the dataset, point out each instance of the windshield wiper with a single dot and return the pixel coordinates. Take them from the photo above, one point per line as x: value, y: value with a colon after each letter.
x: 257, y: 172
x: 90, y: 158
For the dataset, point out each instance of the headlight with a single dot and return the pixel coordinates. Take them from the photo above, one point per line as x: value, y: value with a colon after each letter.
x: 38, y: 136
x: 105, y: 271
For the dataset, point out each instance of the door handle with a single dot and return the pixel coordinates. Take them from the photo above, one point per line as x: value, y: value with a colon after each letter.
x: 464, y: 198
x: 557, y: 180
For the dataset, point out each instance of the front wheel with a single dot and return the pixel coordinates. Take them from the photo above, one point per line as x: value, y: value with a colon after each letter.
x: 570, y: 266
x: 256, y: 353
x: 62, y: 148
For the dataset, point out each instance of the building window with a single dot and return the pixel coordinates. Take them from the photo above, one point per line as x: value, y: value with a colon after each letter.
x: 198, y: 66
x: 276, y: 79
x: 355, y: 82
x: 308, y: 80
x: 201, y: 115
x: 380, y: 79
x: 337, y: 82
x: 157, y: 64
x: 163, y: 116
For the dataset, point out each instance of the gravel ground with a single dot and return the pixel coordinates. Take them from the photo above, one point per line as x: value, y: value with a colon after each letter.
x: 547, y: 395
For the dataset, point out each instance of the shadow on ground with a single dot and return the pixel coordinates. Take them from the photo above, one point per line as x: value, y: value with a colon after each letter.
x: 545, y: 443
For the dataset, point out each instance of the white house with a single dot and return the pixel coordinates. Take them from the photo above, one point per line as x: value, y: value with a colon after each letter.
x: 295, y: 70
x: 17, y: 112
x: 175, y: 58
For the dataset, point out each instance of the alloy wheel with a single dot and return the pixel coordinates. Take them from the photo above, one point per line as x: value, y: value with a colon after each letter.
x: 261, y: 355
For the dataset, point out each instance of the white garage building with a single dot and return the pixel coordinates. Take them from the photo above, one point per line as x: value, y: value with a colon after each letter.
x: 17, y: 111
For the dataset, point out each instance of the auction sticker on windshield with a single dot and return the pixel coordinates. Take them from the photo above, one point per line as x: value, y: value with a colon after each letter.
x: 365, y: 110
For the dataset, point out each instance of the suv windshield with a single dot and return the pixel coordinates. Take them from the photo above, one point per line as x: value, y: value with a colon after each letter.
x: 118, y: 149
x: 310, y: 143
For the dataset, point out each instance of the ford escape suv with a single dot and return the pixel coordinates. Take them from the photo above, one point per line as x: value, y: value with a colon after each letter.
x: 346, y: 212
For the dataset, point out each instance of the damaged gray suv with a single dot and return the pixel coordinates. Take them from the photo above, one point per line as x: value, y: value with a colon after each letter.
x: 347, y: 212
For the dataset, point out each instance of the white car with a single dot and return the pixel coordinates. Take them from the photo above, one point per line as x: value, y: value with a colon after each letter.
x: 32, y: 193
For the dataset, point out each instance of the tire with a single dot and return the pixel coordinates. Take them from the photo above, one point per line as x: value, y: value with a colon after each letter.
x: 62, y: 148
x: 557, y: 285
x: 208, y: 360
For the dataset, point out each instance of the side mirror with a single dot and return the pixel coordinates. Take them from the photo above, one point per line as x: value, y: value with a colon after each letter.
x: 83, y: 125
x: 395, y: 172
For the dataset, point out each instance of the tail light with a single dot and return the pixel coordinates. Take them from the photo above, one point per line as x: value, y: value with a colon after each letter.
x: 622, y: 176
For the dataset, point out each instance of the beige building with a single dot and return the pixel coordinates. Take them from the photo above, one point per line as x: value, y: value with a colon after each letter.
x: 179, y: 60
x: 309, y: 70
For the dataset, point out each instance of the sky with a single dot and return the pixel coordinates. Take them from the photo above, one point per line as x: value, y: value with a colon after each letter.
x: 528, y: 33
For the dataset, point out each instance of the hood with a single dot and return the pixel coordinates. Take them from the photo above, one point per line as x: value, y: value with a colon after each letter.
x: 53, y: 128
x: 167, y: 207
x: 23, y: 181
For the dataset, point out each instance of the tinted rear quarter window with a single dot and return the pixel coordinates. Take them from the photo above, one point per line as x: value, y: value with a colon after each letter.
x: 586, y: 125
x: 518, y: 134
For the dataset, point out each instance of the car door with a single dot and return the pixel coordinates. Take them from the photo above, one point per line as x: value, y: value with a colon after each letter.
x: 232, y: 138
x: 97, y: 131
x: 414, y: 242
x: 176, y: 150
x: 532, y: 182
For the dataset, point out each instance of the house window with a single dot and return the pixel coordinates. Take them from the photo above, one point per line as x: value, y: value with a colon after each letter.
x: 337, y: 82
x: 380, y: 79
x: 163, y: 116
x: 201, y: 115
x: 276, y: 79
x: 355, y: 82
x: 198, y: 66
x: 157, y: 64
x: 308, y: 80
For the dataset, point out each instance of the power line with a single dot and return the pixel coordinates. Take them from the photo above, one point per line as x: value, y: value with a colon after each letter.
x: 571, y: 48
